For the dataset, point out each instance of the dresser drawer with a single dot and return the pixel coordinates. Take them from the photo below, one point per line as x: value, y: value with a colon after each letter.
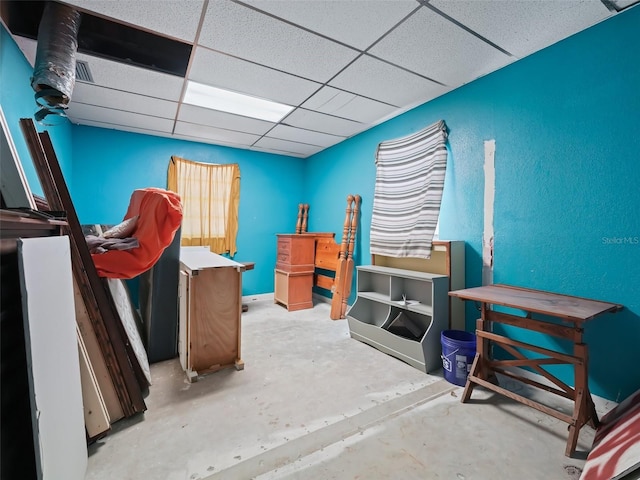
x: 295, y: 252
x: 284, y: 246
x: 283, y: 257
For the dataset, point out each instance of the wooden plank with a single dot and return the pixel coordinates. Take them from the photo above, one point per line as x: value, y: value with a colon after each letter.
x: 52, y: 357
x: 130, y: 368
x: 561, y: 331
x: 437, y: 263
x: 327, y: 254
x: 323, y: 281
x: 109, y: 394
x: 537, y: 301
x: 533, y: 383
x: 107, y: 325
x: 544, y: 351
x: 519, y: 398
x: 536, y: 367
x: 96, y: 417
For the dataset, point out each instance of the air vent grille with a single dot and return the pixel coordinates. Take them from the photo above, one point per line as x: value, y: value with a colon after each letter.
x: 83, y: 73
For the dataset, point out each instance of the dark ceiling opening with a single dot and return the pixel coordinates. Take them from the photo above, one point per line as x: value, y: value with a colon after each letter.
x: 105, y: 38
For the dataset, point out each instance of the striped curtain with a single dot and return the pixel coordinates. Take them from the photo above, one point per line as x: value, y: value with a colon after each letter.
x: 408, y: 191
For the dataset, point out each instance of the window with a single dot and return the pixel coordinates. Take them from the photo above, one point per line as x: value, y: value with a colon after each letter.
x: 210, y: 196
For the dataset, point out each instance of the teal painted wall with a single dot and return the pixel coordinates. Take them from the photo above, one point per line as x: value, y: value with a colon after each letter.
x: 566, y: 122
x: 109, y: 165
x: 16, y: 98
x: 567, y: 130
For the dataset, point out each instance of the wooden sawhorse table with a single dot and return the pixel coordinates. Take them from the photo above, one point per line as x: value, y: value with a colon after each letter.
x: 572, y: 312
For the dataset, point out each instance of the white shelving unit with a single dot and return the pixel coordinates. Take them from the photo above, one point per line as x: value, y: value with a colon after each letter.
x: 401, y: 313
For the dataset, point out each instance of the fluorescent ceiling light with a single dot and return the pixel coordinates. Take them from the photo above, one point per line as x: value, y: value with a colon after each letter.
x: 232, y: 102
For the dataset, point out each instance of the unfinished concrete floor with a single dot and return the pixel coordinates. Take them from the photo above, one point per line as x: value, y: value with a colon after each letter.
x: 312, y: 403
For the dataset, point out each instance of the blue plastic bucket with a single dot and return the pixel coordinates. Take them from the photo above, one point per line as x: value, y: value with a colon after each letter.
x: 458, y: 351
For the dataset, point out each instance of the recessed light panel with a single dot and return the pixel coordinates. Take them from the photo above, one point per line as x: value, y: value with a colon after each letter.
x: 232, y: 102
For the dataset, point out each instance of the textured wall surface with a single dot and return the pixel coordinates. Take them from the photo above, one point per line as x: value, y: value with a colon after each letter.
x: 566, y: 122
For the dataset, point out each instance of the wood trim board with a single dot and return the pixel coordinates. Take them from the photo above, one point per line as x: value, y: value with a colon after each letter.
x: 100, y: 307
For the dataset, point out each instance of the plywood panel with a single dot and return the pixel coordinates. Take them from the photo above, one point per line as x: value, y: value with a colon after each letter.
x: 96, y: 417
x: 52, y: 356
x: 214, y: 327
x: 436, y: 264
x: 96, y: 359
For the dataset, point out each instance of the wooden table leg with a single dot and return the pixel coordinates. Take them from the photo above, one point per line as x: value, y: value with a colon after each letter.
x: 468, y: 387
x: 583, y: 408
x: 478, y: 368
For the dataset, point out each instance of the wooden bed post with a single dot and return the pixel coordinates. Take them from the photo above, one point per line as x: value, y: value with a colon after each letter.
x: 350, y: 263
x: 336, y: 301
x: 299, y: 223
x: 303, y: 216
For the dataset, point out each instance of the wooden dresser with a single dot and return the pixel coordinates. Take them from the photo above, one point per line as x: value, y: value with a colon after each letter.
x: 294, y: 270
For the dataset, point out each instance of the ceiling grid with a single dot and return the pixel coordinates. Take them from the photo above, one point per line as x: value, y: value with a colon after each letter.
x: 343, y: 67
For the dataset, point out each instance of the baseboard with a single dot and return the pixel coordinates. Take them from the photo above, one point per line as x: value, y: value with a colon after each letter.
x: 321, y: 298
x: 269, y: 297
x: 257, y: 297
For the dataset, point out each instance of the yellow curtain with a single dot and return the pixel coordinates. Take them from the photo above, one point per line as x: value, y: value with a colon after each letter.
x: 210, y: 196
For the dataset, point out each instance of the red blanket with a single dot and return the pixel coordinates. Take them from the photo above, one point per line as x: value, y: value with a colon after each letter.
x: 159, y: 216
x: 616, y: 447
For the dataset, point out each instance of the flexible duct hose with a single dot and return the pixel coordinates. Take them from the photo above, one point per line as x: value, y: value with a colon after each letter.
x: 54, y: 72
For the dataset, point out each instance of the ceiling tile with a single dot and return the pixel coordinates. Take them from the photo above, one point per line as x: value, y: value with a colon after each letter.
x: 212, y: 141
x: 380, y: 81
x: 432, y: 46
x: 78, y: 112
x: 213, y: 118
x: 173, y: 18
x: 348, y: 105
x: 283, y: 132
x: 358, y: 24
x: 522, y: 28
x: 286, y: 146
x: 323, y: 123
x: 128, y: 128
x: 213, y: 133
x: 238, y: 30
x: 95, y: 95
x: 128, y: 78
x: 279, y: 152
x: 219, y: 70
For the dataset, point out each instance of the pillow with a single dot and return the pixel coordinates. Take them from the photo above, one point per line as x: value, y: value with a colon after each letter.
x: 122, y: 230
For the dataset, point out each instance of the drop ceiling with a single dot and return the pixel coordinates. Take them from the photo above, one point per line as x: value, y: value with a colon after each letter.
x: 345, y: 65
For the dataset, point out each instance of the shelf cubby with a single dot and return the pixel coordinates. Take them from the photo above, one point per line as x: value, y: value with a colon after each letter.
x: 409, y: 331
